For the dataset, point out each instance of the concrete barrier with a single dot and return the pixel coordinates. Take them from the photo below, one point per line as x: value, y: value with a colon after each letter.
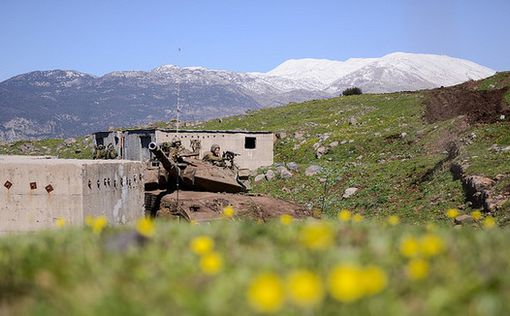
x: 35, y: 192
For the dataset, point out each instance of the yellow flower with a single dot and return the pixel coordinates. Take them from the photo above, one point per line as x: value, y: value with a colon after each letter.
x: 304, y: 288
x: 476, y: 215
x: 228, y: 212
x: 99, y: 224
x: 431, y: 245
x: 286, y: 219
x: 374, y: 280
x: 409, y: 247
x: 145, y: 227
x: 357, y: 218
x: 202, y: 245
x: 417, y: 269
x: 317, y: 235
x: 211, y: 263
x: 452, y: 213
x: 346, y: 283
x: 60, y: 222
x: 393, y: 220
x: 344, y: 215
x: 266, y: 293
x: 489, y: 222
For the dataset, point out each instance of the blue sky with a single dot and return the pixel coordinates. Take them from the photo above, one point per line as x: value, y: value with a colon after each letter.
x: 99, y: 36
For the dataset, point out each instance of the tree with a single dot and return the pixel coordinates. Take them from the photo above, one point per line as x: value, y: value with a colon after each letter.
x: 352, y: 91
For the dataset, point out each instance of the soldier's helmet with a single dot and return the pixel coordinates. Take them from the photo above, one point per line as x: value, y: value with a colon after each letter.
x: 214, y: 146
x: 176, y: 141
x: 110, y: 146
x: 101, y: 147
x: 165, y: 145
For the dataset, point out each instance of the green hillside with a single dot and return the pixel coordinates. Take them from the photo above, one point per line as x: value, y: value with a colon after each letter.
x: 394, y: 157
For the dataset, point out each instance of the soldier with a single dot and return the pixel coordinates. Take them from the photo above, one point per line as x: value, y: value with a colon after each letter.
x: 176, y: 149
x: 99, y: 152
x: 111, y: 152
x: 214, y: 157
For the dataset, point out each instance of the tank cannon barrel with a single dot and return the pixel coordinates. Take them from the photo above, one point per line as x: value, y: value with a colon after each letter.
x: 161, y: 157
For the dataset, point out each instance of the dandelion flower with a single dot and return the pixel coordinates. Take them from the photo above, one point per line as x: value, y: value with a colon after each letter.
x: 266, y: 293
x: 357, y: 218
x: 211, y: 263
x: 409, y: 247
x: 317, y: 235
x: 286, y: 219
x: 145, y: 227
x: 346, y: 283
x: 228, y: 212
x: 99, y: 224
x: 202, y: 245
x: 344, y: 215
x: 304, y: 288
x: 489, y: 222
x: 452, y: 213
x: 417, y: 269
x: 476, y: 215
x: 374, y: 279
x: 60, y: 222
x: 393, y: 220
x: 431, y: 245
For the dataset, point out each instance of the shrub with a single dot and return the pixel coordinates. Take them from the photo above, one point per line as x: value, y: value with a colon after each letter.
x: 352, y: 91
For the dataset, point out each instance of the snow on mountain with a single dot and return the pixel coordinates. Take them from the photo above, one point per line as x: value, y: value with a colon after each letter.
x: 426, y: 71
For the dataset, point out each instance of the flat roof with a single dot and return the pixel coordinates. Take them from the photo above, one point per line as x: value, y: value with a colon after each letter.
x: 188, y: 131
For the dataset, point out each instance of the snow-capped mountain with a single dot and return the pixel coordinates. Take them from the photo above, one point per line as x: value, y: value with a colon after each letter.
x: 59, y: 103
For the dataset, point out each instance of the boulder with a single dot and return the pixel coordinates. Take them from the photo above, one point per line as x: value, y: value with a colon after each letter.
x: 321, y: 151
x: 299, y: 134
x: 349, y: 192
x: 283, y: 173
x: 259, y: 177
x: 269, y: 175
x: 281, y: 135
x: 292, y: 166
x: 313, y: 170
x: 353, y: 121
x: 333, y: 144
x: 463, y: 219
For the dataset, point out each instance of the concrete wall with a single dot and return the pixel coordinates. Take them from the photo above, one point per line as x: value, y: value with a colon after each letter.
x: 133, y: 149
x: 36, y: 192
x: 260, y: 156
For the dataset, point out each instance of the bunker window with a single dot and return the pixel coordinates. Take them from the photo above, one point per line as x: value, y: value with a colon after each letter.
x: 145, y: 141
x: 116, y: 140
x: 250, y: 142
x: 99, y: 141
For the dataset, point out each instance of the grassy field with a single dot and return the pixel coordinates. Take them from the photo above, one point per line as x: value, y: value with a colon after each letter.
x: 232, y: 267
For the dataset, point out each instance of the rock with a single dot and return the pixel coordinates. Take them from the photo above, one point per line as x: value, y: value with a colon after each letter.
x: 349, y: 192
x: 343, y: 142
x: 321, y: 151
x: 505, y: 149
x: 463, y: 219
x: 480, y: 183
x: 353, y: 121
x: 333, y: 144
x: 286, y: 190
x: 292, y: 166
x: 502, y: 117
x: 70, y: 141
x: 313, y: 170
x: 259, y: 177
x: 322, y: 180
x: 279, y: 164
x: 351, y: 141
x: 281, y: 135
x: 403, y: 135
x: 298, y: 135
x: 284, y: 173
x: 269, y: 175
x: 377, y: 134
x: 316, y: 145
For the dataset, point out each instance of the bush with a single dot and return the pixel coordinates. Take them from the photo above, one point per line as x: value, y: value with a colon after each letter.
x: 352, y: 91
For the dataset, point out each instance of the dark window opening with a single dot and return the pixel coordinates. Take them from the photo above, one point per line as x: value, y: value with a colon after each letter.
x: 250, y: 142
x: 116, y: 140
x: 99, y: 141
x: 145, y: 141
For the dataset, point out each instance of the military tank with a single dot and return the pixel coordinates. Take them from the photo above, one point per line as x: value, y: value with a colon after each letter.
x: 195, y: 190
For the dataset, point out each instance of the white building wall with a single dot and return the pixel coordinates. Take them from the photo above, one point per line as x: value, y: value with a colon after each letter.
x: 26, y: 208
x: 260, y: 156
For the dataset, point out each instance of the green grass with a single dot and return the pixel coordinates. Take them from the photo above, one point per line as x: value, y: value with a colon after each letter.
x: 56, y: 147
x: 73, y: 272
